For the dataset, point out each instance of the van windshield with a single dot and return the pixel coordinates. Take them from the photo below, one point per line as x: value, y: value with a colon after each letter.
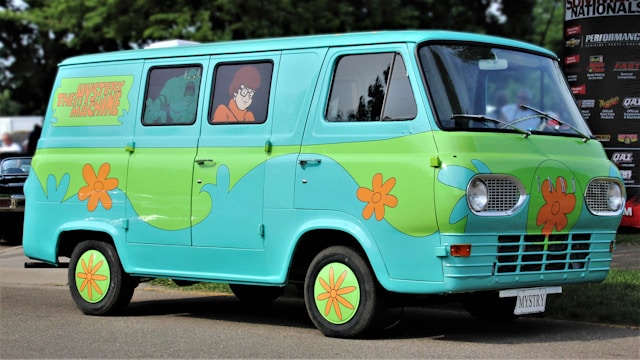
x: 484, y: 88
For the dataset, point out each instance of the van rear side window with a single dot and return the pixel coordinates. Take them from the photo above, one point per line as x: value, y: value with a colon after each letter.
x: 371, y: 87
x: 241, y: 93
x: 172, y: 95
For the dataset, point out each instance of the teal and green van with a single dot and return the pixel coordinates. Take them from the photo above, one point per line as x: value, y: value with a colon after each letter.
x: 360, y: 169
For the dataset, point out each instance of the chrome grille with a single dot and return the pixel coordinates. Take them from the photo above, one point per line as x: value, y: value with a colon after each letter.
x: 596, y: 196
x: 503, y: 194
x: 532, y: 253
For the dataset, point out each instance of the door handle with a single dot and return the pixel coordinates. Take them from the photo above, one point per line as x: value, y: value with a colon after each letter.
x: 205, y: 161
x: 305, y: 162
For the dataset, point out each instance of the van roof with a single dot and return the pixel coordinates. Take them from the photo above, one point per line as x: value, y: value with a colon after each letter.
x: 300, y: 42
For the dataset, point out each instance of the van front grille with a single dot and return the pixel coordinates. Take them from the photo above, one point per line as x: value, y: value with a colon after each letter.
x: 535, y: 253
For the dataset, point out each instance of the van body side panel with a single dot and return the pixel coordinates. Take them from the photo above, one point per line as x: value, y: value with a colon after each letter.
x: 82, y: 165
x: 199, y: 263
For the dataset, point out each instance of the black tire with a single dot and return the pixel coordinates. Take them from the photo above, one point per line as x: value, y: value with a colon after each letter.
x: 488, y: 306
x: 354, y: 283
x: 256, y: 294
x: 108, y: 289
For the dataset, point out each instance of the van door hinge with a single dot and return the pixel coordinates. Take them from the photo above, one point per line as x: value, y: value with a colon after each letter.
x: 267, y: 147
x: 124, y: 223
x: 435, y: 162
x: 130, y: 146
x: 261, y: 230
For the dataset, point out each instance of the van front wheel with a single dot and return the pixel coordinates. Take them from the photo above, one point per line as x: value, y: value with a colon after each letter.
x: 341, y: 294
x: 98, y: 284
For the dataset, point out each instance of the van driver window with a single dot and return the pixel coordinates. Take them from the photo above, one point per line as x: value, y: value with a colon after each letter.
x: 241, y: 93
x: 172, y: 96
x: 371, y: 87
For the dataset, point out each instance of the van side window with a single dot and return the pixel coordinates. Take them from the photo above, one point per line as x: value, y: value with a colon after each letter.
x: 371, y: 87
x: 172, y: 95
x: 241, y: 93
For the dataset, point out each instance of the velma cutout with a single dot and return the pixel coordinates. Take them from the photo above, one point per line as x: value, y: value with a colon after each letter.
x: 242, y: 88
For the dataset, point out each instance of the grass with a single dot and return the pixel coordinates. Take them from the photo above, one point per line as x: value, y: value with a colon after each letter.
x: 614, y: 301
x: 202, y: 287
x: 628, y: 236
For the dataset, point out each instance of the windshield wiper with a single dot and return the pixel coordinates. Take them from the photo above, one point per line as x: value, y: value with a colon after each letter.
x: 484, y: 118
x: 585, y: 137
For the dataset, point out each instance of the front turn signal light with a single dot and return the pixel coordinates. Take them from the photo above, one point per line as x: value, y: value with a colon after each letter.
x: 463, y: 250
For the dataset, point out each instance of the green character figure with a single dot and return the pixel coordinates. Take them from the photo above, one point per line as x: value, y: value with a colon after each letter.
x: 177, y: 101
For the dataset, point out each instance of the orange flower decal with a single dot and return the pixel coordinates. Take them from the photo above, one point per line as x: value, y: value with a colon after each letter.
x: 334, y: 293
x: 553, y: 214
x: 90, y: 277
x: 377, y: 198
x: 98, y: 186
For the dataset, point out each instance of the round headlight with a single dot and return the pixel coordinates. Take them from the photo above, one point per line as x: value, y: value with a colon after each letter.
x: 614, y: 197
x: 477, y: 195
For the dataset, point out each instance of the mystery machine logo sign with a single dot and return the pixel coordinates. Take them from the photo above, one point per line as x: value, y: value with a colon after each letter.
x: 91, y: 101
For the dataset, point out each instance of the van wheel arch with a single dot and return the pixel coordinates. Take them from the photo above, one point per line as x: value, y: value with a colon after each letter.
x: 68, y: 240
x: 312, y: 243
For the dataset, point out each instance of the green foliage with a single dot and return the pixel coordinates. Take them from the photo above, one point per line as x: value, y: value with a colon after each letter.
x: 548, y: 23
x: 35, y: 37
x: 8, y: 106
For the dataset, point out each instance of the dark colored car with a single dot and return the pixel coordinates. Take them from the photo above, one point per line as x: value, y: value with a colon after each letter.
x: 13, y: 173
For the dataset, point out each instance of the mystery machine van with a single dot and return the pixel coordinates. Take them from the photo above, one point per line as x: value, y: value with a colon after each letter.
x: 362, y: 169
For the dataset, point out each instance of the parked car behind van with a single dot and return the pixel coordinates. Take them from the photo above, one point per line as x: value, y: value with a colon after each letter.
x: 362, y: 168
x: 13, y: 174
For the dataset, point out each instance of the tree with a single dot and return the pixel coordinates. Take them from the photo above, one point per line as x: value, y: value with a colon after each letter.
x: 35, y: 37
x: 549, y: 24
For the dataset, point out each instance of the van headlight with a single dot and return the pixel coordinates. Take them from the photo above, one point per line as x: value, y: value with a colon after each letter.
x: 477, y: 195
x: 605, y: 197
x: 615, y: 199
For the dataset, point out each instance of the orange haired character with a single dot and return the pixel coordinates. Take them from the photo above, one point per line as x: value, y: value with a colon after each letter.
x: 242, y: 88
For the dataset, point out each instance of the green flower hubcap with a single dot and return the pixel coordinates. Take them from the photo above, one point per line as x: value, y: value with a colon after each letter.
x: 336, y: 293
x: 93, y: 276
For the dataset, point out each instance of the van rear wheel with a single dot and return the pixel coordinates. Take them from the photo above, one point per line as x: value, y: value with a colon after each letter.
x: 98, y: 284
x: 341, y: 295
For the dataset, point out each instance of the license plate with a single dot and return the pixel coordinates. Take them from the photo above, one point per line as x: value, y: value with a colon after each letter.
x: 530, y: 301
